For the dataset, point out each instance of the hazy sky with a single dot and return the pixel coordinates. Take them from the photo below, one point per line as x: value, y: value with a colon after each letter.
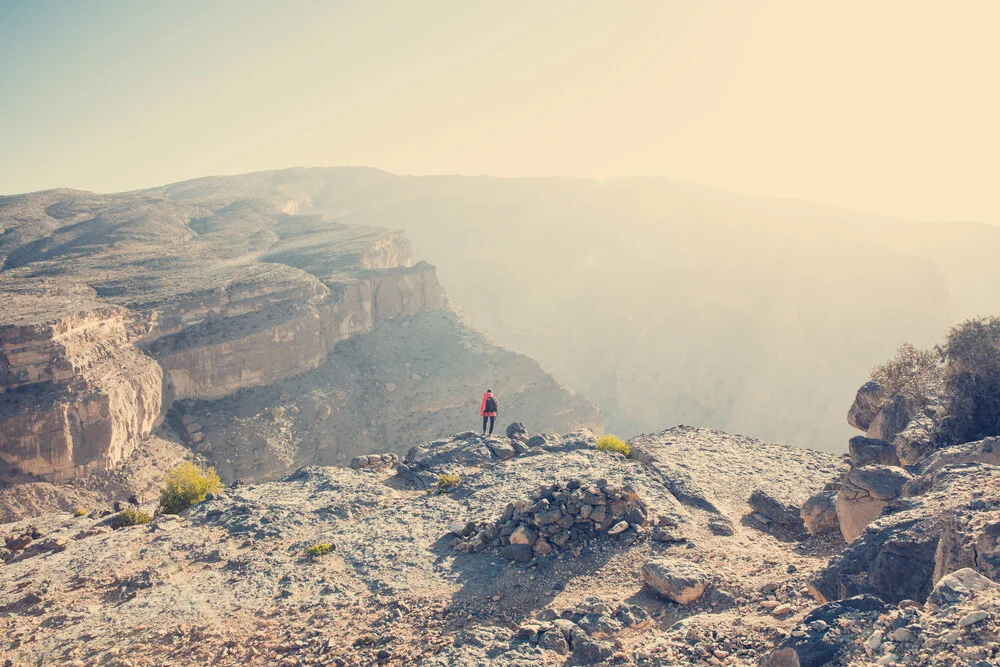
x: 890, y: 107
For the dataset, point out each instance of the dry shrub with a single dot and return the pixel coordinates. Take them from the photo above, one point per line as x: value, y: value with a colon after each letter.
x: 612, y: 443
x: 186, y: 485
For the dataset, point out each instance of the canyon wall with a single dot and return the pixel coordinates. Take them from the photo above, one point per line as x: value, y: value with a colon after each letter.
x: 76, y: 397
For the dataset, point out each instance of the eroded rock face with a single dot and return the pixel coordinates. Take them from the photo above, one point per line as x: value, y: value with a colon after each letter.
x: 863, y: 494
x: 86, y: 407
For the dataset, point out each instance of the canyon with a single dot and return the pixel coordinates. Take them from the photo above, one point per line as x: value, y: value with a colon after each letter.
x: 120, y: 311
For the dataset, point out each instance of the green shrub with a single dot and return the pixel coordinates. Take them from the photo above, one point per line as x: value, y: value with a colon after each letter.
x: 971, y: 352
x: 133, y: 516
x: 913, y: 373
x: 446, y: 481
x: 186, y: 485
x: 79, y: 511
x: 612, y: 443
x: 317, y: 550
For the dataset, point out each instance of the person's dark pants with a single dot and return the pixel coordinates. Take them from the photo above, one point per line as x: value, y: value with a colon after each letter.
x: 491, y: 420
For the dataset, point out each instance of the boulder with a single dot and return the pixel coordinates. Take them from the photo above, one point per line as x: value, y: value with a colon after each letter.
x: 523, y: 535
x: 520, y: 553
x: 516, y: 431
x: 865, y: 491
x: 816, y: 646
x: 774, y: 510
x: 961, y: 585
x: 890, y: 420
x: 502, y: 449
x: 868, y: 451
x: 866, y: 405
x: 678, y: 580
x: 819, y: 513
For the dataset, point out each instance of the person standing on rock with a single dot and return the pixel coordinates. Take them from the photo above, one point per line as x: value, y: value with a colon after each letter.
x: 488, y: 409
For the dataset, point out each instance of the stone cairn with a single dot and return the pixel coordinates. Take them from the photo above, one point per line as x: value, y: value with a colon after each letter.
x: 374, y: 461
x: 563, y: 516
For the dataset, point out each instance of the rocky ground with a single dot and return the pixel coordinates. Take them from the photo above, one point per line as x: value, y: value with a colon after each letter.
x: 227, y: 582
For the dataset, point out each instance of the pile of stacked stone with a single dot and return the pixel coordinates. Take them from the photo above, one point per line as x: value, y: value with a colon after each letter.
x: 563, y: 516
x: 587, y: 630
x: 374, y: 461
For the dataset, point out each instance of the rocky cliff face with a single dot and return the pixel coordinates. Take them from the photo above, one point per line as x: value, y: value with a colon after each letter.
x: 117, y: 306
x: 76, y: 396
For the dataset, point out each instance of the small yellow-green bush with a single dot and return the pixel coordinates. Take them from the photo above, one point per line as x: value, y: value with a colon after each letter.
x: 317, y: 550
x: 446, y: 481
x: 186, y: 485
x: 79, y: 511
x: 612, y: 443
x: 133, y: 516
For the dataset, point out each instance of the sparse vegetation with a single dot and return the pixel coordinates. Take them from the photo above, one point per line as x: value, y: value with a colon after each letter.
x: 186, y: 485
x: 79, y: 511
x: 133, y: 516
x: 317, y: 550
x: 446, y: 481
x: 612, y: 443
x: 971, y: 352
x: 912, y: 373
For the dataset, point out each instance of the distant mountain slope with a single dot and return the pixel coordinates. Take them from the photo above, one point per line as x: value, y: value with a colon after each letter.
x: 667, y: 302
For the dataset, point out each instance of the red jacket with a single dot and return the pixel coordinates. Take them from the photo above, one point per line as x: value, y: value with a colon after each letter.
x: 482, y: 406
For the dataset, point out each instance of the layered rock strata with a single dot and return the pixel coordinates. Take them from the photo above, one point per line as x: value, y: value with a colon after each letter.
x: 119, y: 305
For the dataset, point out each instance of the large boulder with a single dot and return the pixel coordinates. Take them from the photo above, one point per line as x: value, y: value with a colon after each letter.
x: 819, y: 513
x: 815, y: 646
x: 774, y: 510
x: 866, y: 405
x: 678, y: 580
x: 891, y: 419
x: 896, y: 558
x: 863, y: 494
x: 867, y: 451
